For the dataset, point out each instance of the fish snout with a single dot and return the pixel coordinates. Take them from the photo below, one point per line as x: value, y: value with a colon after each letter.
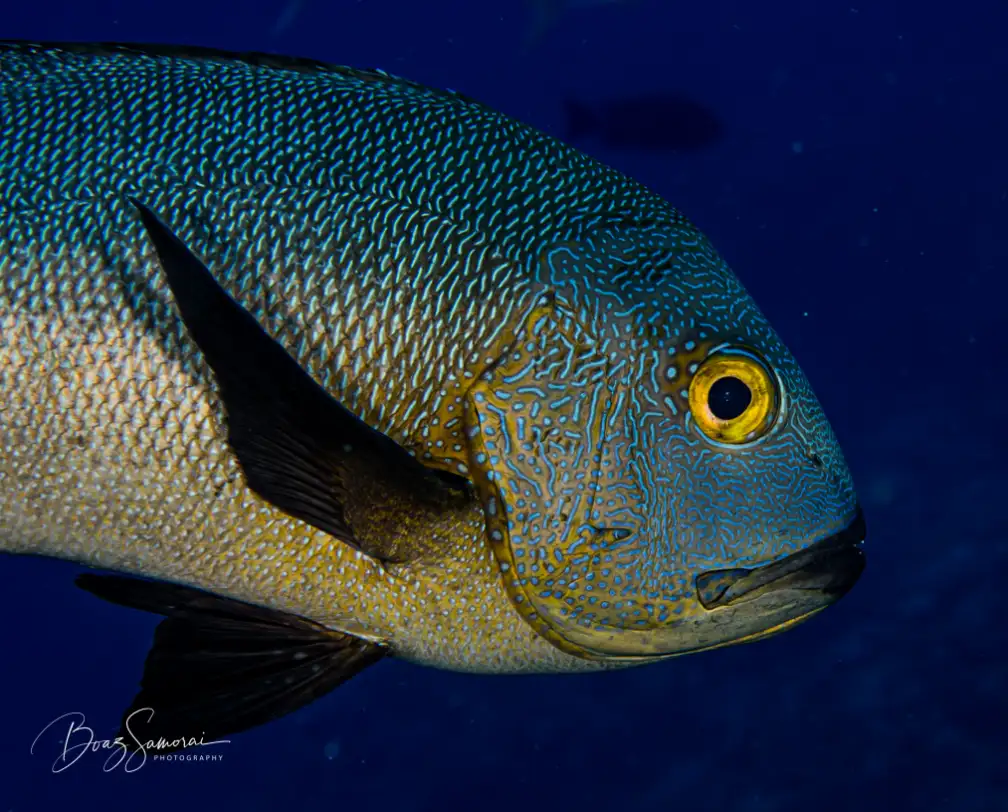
x: 825, y: 571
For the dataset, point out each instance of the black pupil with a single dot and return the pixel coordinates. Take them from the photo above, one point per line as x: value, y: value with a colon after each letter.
x: 728, y: 398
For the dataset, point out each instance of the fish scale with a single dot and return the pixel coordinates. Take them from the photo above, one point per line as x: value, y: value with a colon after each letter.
x: 505, y: 309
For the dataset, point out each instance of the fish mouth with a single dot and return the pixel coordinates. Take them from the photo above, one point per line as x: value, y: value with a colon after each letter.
x: 829, y: 568
x: 737, y: 605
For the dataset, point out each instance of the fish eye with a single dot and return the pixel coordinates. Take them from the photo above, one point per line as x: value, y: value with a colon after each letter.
x: 733, y: 397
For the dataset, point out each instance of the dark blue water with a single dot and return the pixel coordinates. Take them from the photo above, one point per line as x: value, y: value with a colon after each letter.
x: 861, y: 193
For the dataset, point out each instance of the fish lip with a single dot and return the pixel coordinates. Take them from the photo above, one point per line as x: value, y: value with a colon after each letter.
x: 830, y: 566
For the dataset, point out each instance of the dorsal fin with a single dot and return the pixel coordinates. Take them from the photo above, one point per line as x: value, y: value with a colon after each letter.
x: 253, y: 59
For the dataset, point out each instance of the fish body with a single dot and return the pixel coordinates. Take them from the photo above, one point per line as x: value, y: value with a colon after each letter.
x: 304, y: 190
x: 362, y: 362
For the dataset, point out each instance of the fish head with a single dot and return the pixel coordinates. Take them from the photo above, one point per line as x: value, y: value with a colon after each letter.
x: 657, y: 475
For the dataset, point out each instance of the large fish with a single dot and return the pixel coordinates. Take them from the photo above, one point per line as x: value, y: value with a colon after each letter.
x: 328, y: 366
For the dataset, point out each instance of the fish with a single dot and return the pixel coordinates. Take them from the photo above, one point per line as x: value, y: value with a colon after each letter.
x: 324, y: 367
x: 650, y: 122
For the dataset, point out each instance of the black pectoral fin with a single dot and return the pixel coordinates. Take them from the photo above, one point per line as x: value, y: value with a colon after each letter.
x: 299, y: 448
x: 218, y: 666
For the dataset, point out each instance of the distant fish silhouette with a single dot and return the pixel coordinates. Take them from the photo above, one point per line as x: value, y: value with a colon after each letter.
x: 655, y: 122
x: 544, y: 14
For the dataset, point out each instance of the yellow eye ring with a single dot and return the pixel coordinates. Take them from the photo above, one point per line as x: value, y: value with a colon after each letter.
x: 733, y: 397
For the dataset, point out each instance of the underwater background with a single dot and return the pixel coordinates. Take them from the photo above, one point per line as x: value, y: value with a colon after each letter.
x: 857, y: 183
